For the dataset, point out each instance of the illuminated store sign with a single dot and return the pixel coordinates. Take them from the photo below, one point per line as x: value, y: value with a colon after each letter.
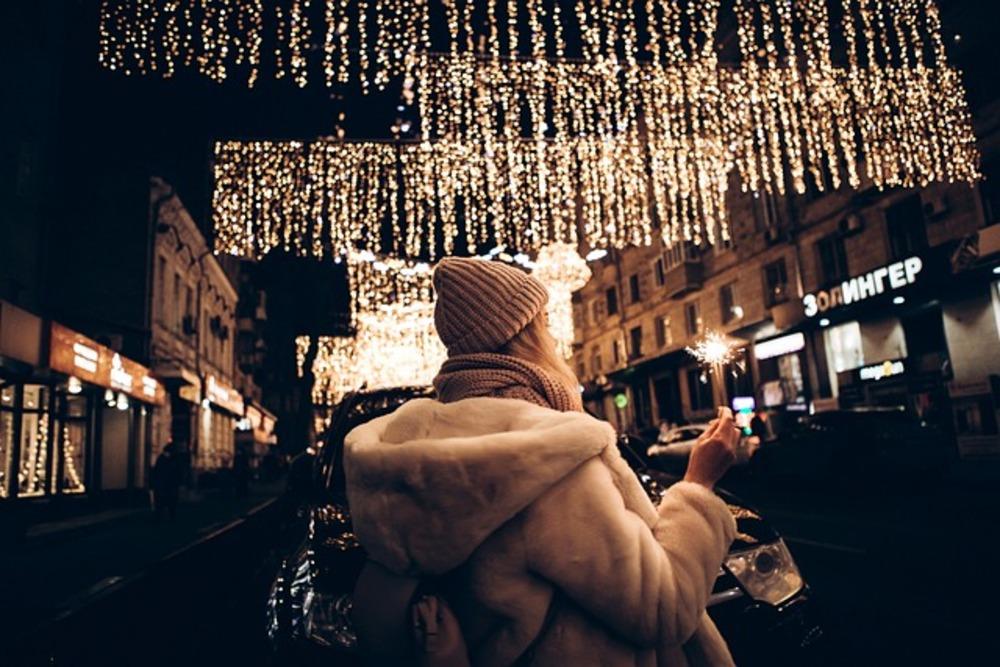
x: 884, y: 370
x: 83, y: 359
x: 220, y: 393
x: 777, y: 347
x: 887, y: 278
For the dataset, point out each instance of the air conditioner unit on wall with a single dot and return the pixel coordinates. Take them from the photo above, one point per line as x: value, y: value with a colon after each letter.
x: 935, y: 207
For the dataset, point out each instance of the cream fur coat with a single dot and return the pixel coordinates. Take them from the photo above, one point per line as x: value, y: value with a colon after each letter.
x: 524, y: 505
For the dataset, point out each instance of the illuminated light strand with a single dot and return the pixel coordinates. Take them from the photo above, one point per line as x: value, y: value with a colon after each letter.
x: 560, y: 268
x: 327, y: 198
x: 395, y: 343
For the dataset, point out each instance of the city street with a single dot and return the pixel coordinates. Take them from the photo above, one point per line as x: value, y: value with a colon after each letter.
x: 902, y: 576
x: 885, y: 569
x: 755, y: 243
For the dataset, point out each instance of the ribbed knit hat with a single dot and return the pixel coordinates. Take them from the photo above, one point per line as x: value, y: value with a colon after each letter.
x: 482, y: 304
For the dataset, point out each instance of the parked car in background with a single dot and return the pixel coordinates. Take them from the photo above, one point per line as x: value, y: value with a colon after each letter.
x: 760, y: 601
x: 676, y: 444
x: 857, y: 445
x: 671, y: 450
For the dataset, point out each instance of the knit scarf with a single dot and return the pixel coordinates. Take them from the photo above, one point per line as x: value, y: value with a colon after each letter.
x: 502, y: 376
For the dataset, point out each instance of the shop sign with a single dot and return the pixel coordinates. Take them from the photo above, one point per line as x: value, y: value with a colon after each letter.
x: 876, y: 372
x: 78, y: 356
x: 226, y: 397
x: 777, y: 347
x: 260, y: 422
x: 887, y: 278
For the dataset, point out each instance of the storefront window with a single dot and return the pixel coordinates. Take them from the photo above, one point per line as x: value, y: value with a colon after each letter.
x: 72, y: 444
x: 843, y: 347
x: 6, y: 439
x: 33, y: 468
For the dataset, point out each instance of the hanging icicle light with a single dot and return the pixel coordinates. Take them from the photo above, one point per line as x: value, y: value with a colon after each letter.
x: 561, y: 269
x: 323, y: 198
x: 395, y: 344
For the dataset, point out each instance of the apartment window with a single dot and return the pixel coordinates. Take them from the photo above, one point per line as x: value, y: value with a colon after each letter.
x: 765, y: 212
x: 692, y: 318
x: 618, y: 352
x: 904, y: 222
x: 635, y: 340
x: 663, y: 337
x: 635, y: 294
x: 699, y: 390
x: 832, y: 258
x: 596, y: 364
x: 161, y: 289
x: 776, y: 283
x: 660, y: 272
x: 596, y: 311
x: 680, y: 252
x: 727, y: 302
x: 175, y: 324
x: 611, y: 296
x: 188, y: 308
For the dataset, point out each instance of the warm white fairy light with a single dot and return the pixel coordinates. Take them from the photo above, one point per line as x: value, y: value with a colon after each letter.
x: 561, y: 269
x: 394, y: 344
x: 324, y: 198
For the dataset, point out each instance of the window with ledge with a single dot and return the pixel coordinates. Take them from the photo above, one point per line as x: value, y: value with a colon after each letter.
x: 635, y: 294
x: 663, y: 337
x: 680, y: 252
x: 596, y: 364
x: 904, y: 222
x: 832, y: 258
x: 659, y: 272
x: 596, y: 311
x: 727, y: 302
x: 175, y: 322
x: 611, y: 297
x: 692, y: 318
x: 775, y: 283
x: 618, y: 352
x: 635, y: 342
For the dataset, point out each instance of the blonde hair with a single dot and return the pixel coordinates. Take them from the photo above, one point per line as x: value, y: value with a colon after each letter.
x: 536, y: 345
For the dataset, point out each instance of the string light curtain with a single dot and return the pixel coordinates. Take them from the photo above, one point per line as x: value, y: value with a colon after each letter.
x: 395, y: 344
x: 561, y: 269
x: 327, y: 198
x: 789, y: 114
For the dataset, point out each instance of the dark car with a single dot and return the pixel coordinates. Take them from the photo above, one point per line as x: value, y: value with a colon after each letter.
x: 857, y: 446
x: 760, y: 601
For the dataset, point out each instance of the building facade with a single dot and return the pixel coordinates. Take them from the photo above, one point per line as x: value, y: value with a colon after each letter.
x: 193, y: 338
x: 841, y: 299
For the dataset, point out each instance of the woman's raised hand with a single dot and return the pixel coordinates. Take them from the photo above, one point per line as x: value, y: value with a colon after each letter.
x: 714, y: 452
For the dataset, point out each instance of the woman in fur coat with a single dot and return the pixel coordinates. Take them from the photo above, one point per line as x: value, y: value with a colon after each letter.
x: 553, y: 553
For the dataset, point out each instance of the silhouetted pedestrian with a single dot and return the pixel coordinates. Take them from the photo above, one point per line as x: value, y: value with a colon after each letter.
x: 165, y: 481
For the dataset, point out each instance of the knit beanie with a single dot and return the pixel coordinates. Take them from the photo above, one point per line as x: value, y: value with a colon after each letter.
x: 482, y: 304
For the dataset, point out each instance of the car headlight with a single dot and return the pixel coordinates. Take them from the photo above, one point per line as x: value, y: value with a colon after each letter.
x: 768, y: 573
